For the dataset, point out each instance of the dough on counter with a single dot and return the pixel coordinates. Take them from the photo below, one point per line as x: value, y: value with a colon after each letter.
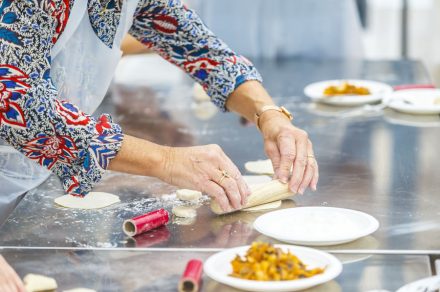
x: 188, y: 195
x: 94, y: 200
x: 259, y: 166
x: 80, y: 290
x: 271, y: 205
x: 34, y: 283
x: 183, y: 211
x: 199, y: 94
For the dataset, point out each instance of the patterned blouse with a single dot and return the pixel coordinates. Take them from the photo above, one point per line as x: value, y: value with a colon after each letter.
x: 58, y: 135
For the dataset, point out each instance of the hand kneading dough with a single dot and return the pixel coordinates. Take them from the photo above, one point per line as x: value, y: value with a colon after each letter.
x: 259, y: 166
x: 94, y: 200
x: 80, y: 290
x: 267, y: 206
x: 183, y: 211
x: 34, y: 283
x: 188, y: 195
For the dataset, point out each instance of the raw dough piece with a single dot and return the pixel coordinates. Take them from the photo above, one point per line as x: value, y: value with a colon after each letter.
x: 183, y: 211
x: 271, y: 205
x: 94, y: 200
x: 188, y: 195
x: 80, y: 290
x: 204, y: 110
x: 199, y: 94
x: 34, y: 283
x: 259, y: 166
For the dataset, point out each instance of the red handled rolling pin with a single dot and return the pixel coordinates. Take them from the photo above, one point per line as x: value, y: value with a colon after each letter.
x: 146, y: 222
x: 191, y: 278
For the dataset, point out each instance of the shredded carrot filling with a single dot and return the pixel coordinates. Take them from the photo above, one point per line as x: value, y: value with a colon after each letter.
x: 346, y: 89
x: 264, y: 262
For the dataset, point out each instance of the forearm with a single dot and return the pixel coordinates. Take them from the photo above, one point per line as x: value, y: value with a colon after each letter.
x: 140, y: 157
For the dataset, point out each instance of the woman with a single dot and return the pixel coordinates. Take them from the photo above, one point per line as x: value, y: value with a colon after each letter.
x: 57, y: 53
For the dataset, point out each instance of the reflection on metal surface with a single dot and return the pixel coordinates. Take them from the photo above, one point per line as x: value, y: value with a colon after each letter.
x: 149, y: 239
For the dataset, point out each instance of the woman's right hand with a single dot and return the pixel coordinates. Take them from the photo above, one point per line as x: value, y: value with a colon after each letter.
x: 9, y: 280
x: 201, y: 168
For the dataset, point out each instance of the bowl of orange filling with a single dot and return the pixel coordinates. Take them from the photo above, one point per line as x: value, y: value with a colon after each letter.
x: 266, y: 267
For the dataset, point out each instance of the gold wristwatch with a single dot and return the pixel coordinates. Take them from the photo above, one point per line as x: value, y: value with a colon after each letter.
x: 266, y: 108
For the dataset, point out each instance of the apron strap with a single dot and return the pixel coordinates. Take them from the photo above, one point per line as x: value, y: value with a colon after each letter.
x: 79, y: 10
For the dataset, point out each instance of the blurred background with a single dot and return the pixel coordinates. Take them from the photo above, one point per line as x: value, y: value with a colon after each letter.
x: 371, y: 29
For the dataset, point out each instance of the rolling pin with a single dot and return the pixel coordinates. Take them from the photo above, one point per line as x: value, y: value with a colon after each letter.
x: 269, y: 192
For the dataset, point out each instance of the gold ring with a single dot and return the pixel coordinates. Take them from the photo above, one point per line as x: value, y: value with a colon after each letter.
x: 311, y: 156
x: 225, y: 174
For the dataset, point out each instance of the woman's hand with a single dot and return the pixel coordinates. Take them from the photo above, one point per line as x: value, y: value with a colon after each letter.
x: 9, y: 280
x: 206, y: 169
x: 289, y: 149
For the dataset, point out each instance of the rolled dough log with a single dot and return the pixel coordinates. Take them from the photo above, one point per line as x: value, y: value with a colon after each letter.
x: 188, y: 195
x: 259, y: 166
x: 183, y: 211
x: 94, y: 200
x: 272, y: 205
x: 80, y: 290
x: 256, y: 180
x: 34, y: 283
x: 269, y: 192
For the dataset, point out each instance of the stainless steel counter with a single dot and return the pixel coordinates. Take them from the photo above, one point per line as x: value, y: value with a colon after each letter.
x: 382, y: 164
x: 160, y: 271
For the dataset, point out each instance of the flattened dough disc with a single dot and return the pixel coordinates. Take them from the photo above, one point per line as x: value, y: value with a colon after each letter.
x: 35, y: 283
x: 271, y: 205
x: 94, y: 200
x: 259, y: 166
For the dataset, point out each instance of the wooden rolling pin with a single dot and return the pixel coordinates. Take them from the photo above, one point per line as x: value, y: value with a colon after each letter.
x: 263, y: 194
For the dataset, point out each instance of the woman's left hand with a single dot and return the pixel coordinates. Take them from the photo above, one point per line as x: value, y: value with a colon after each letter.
x: 290, y: 151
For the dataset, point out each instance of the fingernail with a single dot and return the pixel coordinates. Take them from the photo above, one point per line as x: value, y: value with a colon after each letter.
x: 301, y: 191
x: 283, y: 180
x: 314, y: 188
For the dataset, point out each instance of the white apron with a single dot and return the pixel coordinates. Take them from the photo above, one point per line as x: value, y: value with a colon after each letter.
x: 82, y: 68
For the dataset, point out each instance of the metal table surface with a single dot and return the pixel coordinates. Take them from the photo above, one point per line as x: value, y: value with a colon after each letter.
x: 134, y: 271
x: 383, y: 165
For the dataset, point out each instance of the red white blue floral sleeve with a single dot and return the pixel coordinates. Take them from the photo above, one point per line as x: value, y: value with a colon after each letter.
x: 178, y: 35
x: 58, y: 135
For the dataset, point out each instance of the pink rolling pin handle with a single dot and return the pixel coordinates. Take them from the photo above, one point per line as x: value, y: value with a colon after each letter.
x: 146, y: 222
x: 192, y: 276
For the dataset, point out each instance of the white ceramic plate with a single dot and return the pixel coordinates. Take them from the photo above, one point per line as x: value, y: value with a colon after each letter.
x: 378, y: 90
x: 316, y: 226
x: 415, y: 101
x: 218, y: 267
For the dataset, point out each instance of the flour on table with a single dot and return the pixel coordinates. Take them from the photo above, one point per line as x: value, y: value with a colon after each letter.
x: 34, y: 283
x: 271, y: 205
x: 94, y: 200
x: 259, y: 166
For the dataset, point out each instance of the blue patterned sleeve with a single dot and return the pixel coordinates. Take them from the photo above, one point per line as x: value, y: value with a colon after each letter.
x: 178, y: 34
x: 53, y: 133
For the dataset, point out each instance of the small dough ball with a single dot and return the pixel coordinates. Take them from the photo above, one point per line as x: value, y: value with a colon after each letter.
x: 204, y: 110
x: 185, y: 212
x: 199, y: 94
x: 80, y: 290
x: 34, y: 283
x: 259, y: 166
x: 188, y: 195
